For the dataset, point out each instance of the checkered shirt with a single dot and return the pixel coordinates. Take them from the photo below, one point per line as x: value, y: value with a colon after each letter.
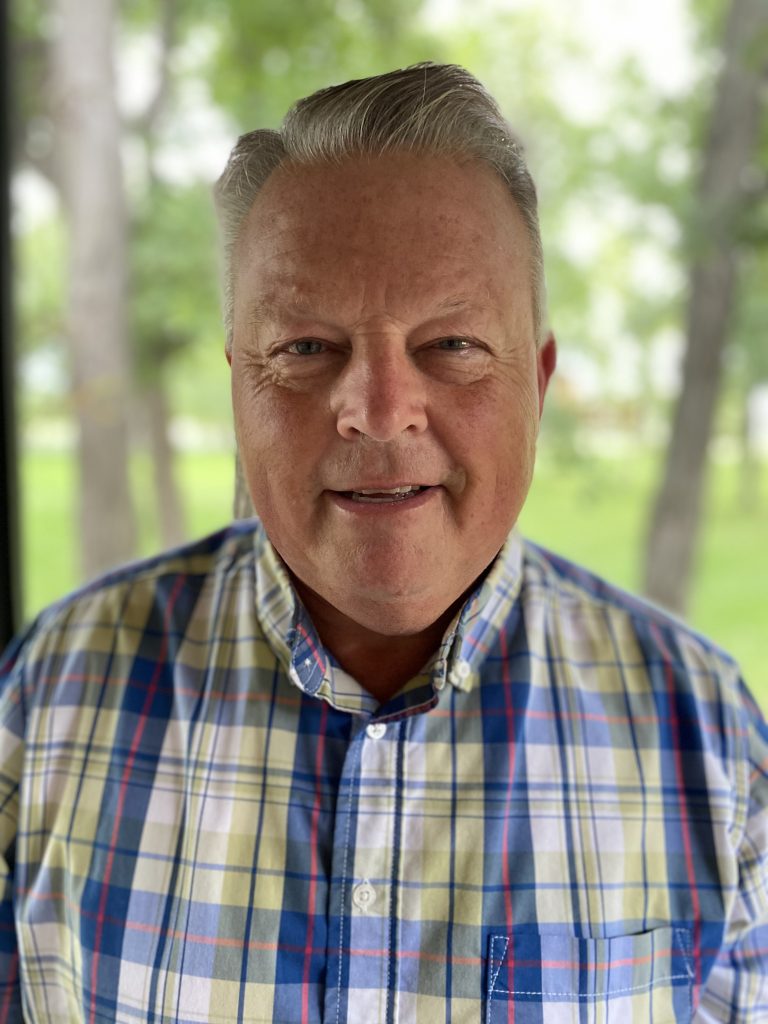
x: 203, y: 818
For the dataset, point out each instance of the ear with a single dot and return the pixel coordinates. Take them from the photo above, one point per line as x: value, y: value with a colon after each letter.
x: 546, y: 360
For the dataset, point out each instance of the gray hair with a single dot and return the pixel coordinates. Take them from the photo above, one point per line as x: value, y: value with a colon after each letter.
x: 439, y: 109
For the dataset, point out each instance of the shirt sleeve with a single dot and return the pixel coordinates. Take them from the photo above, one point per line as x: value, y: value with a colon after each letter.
x: 736, y: 990
x: 12, y: 718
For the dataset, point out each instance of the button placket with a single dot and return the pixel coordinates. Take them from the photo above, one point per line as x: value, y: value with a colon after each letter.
x: 372, y: 846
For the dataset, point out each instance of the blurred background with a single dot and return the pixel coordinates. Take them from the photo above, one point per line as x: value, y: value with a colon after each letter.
x: 647, y: 132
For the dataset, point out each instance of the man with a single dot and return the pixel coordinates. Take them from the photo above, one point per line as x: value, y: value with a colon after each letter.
x: 371, y: 757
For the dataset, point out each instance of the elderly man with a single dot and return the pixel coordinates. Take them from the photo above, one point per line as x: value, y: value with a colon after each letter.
x: 371, y: 757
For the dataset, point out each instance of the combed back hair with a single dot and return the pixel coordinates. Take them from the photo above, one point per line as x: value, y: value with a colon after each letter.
x: 438, y: 109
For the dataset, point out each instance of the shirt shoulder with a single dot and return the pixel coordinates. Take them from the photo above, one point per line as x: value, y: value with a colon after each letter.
x: 572, y: 589
x: 139, y: 608
x: 590, y: 623
x: 609, y: 654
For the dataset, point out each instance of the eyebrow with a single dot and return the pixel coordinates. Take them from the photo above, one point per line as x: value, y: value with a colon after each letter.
x: 456, y: 304
x: 266, y: 311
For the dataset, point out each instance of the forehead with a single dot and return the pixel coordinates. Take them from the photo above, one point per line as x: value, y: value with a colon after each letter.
x: 395, y: 225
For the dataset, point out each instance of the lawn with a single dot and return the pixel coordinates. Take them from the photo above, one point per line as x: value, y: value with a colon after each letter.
x: 593, y: 513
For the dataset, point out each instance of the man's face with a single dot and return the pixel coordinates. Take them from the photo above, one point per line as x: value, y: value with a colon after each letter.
x: 384, y: 338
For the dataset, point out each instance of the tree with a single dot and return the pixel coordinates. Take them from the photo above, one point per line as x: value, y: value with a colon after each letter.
x: 730, y: 146
x: 175, y: 307
x: 89, y: 175
x: 63, y: 93
x: 163, y: 251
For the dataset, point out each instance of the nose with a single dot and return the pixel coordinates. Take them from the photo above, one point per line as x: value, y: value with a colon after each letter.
x: 380, y: 394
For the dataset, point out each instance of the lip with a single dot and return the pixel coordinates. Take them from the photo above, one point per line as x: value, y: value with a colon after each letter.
x: 385, y: 508
x: 381, y: 485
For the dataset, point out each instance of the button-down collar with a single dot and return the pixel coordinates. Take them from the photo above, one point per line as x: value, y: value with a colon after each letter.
x: 458, y: 659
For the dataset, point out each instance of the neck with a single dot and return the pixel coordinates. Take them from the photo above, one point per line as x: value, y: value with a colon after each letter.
x: 382, y: 664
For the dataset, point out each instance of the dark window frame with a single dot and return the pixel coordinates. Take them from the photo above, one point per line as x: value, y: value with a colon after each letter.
x: 10, y: 574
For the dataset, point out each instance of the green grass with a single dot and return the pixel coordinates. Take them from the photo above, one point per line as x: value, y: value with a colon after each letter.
x: 48, y: 515
x: 594, y: 513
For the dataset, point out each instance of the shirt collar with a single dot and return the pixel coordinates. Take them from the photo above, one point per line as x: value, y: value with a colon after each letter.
x: 466, y: 642
x: 476, y: 627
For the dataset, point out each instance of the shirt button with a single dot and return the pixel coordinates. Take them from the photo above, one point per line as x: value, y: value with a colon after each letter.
x: 375, y: 730
x: 363, y: 895
x: 461, y: 671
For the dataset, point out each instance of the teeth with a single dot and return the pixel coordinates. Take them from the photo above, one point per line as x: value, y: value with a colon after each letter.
x: 386, y: 494
x: 392, y: 490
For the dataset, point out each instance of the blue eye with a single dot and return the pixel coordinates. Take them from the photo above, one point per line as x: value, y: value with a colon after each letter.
x: 306, y: 347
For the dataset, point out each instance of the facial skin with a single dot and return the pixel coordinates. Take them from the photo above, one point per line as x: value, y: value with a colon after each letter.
x: 383, y: 336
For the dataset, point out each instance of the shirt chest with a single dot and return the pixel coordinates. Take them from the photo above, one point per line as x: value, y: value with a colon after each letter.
x: 291, y: 862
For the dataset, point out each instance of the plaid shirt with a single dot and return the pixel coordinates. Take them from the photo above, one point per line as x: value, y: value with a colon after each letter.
x: 204, y: 819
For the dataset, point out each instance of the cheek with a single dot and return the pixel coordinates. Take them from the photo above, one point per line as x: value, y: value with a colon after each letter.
x: 266, y: 416
x: 494, y: 438
x: 280, y: 439
x: 493, y: 426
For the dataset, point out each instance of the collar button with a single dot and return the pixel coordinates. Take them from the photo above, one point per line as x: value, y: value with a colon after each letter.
x: 460, y: 672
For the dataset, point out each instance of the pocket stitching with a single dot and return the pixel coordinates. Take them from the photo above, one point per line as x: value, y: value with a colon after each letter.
x: 592, y: 995
x: 681, y: 934
x: 495, y: 974
x: 683, y: 937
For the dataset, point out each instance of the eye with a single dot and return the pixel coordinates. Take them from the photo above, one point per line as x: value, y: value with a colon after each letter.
x: 455, y: 344
x: 305, y: 347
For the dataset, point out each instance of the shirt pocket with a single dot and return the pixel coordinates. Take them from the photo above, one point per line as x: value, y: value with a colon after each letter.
x: 556, y: 979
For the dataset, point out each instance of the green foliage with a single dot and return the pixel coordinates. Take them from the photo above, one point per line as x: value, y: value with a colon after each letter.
x: 175, y: 274
x: 752, y: 317
x: 40, y: 285
x: 268, y: 54
x: 40, y: 256
x: 30, y: 123
x: 709, y: 23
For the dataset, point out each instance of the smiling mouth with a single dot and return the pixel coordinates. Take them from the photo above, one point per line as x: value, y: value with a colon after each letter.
x: 396, y: 494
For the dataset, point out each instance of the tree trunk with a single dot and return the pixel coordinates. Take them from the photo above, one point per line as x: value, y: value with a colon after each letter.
x: 88, y: 146
x: 731, y: 143
x: 170, y: 508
